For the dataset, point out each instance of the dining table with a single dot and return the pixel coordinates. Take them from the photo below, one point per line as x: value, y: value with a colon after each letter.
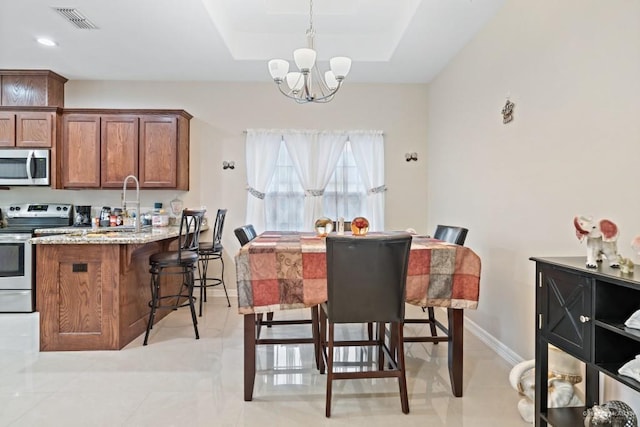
x: 281, y: 270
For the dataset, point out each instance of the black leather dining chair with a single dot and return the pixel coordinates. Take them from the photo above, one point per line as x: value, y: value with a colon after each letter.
x: 449, y: 234
x: 245, y: 234
x: 366, y: 282
x: 211, y: 251
x: 181, y: 262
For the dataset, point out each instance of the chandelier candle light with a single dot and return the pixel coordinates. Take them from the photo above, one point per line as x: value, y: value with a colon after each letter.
x: 307, y: 85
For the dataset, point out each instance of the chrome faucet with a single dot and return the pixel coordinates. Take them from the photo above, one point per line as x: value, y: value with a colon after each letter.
x: 136, y: 203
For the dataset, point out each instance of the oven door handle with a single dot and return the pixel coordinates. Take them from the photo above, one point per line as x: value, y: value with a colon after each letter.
x: 29, y: 160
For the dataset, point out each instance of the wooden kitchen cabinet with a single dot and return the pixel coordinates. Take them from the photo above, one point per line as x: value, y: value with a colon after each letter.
x: 96, y: 296
x: 118, y: 149
x: 158, y: 143
x: 79, y: 163
x: 28, y: 129
x: 33, y: 88
x: 151, y: 144
x: 7, y: 129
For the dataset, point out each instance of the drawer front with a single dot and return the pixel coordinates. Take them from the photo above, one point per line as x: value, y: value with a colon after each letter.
x: 567, y: 312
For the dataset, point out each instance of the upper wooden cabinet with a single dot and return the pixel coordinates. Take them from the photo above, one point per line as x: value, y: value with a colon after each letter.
x: 31, y: 88
x: 119, y: 148
x: 79, y: 159
x: 150, y: 144
x: 158, y: 142
x: 28, y: 129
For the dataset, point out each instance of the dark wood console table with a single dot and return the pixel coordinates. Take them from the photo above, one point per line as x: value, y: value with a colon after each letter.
x: 582, y: 312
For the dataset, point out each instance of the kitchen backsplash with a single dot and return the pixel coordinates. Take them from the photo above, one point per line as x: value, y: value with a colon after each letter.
x: 95, y: 198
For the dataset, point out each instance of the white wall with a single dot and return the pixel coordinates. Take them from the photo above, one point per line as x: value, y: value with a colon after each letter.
x: 572, y: 68
x: 223, y: 111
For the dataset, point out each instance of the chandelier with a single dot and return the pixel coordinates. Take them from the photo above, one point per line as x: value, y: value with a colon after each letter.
x: 307, y: 85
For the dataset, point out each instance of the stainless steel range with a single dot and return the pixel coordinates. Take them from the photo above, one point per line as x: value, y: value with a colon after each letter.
x: 16, y: 253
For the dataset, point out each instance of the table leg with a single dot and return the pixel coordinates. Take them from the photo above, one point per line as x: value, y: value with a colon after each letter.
x: 249, y: 355
x: 456, y: 334
x: 315, y: 332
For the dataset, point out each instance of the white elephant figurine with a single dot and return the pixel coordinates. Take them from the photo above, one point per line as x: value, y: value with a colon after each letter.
x: 602, y: 237
x: 564, y: 373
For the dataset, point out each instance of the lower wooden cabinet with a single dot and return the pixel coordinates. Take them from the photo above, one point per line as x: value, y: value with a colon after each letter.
x: 95, y: 297
x: 150, y: 144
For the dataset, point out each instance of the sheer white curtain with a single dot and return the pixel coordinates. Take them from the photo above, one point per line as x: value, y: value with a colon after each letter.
x: 262, y: 146
x: 314, y: 155
x: 368, y: 152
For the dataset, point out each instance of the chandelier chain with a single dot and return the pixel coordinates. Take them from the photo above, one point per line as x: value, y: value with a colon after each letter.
x: 311, y: 32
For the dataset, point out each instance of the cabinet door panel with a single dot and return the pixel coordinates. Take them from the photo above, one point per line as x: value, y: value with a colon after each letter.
x: 7, y: 129
x: 81, y: 151
x: 34, y: 129
x: 119, y: 148
x: 568, y: 298
x: 158, y: 151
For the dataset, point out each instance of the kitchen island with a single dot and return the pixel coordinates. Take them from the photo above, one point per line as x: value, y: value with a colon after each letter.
x: 92, y: 286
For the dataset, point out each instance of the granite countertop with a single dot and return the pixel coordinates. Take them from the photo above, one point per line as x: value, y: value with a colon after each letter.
x: 104, y: 236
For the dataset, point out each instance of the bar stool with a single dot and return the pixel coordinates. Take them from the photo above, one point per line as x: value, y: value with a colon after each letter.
x: 210, y: 251
x: 181, y: 262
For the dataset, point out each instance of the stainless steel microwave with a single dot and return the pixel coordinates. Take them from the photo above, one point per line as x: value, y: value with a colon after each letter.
x: 24, y: 167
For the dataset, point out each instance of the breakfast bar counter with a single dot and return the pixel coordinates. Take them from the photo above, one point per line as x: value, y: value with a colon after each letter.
x: 102, y: 236
x: 92, y: 288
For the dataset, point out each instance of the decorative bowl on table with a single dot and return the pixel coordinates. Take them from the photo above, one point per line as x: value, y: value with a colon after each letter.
x: 359, y: 226
x: 323, y: 226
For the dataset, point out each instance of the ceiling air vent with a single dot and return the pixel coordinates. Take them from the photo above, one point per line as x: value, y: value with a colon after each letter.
x: 76, y: 18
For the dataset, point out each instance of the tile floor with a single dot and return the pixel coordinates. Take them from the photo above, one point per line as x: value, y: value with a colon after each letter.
x: 178, y: 381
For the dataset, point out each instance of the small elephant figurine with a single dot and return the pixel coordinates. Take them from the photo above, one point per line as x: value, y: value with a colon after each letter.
x: 564, y: 373
x: 602, y: 237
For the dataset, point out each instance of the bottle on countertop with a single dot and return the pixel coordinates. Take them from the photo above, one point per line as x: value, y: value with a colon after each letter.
x: 119, y: 217
x: 105, y: 214
x: 159, y: 218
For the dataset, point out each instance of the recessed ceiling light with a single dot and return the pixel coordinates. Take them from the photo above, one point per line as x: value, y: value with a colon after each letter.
x: 46, y: 42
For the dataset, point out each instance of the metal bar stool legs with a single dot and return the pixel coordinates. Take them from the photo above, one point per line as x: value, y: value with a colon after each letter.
x: 203, y: 279
x: 155, y: 303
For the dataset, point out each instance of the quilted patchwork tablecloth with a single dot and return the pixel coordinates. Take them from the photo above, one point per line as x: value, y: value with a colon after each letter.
x: 283, y: 270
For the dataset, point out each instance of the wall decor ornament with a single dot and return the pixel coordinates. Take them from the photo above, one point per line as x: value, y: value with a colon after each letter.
x: 507, y: 111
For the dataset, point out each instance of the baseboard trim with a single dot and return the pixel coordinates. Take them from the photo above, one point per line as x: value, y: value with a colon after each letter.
x: 233, y: 293
x: 492, y: 342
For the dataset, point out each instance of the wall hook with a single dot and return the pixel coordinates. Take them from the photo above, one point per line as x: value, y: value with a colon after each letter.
x: 411, y: 156
x: 228, y: 165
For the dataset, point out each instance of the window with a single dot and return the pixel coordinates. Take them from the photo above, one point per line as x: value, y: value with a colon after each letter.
x: 284, y: 200
x: 345, y: 193
x: 294, y: 176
